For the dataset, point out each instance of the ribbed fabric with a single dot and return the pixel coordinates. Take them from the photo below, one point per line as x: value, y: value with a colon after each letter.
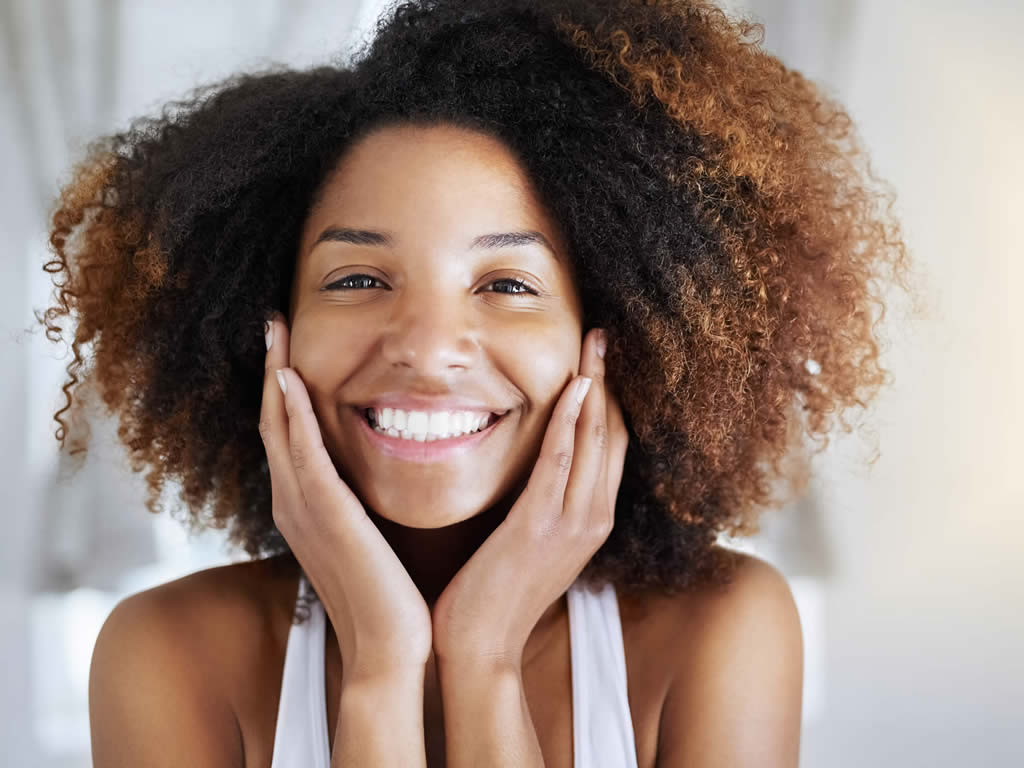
x: 602, y: 725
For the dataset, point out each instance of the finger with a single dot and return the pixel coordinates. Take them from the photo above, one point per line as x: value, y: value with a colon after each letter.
x: 546, y: 486
x: 618, y: 444
x: 317, y: 476
x: 586, y: 488
x: 273, y: 418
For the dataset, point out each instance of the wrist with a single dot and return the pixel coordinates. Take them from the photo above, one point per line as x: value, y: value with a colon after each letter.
x: 479, y: 662
x: 395, y: 677
x: 380, y: 722
x: 463, y: 671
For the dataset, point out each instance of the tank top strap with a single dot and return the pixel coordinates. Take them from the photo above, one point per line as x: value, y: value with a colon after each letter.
x: 602, y: 723
x: 300, y: 735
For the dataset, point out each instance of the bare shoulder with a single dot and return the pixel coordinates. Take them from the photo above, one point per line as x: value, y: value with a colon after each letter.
x: 209, y: 611
x: 167, y: 665
x: 755, y: 594
x: 736, y: 658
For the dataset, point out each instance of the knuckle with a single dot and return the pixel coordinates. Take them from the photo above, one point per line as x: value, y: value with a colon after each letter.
x: 576, y: 529
x: 282, y: 520
x: 590, y: 533
x: 300, y: 457
x: 600, y: 432
x: 563, y: 460
x: 601, y: 529
x: 265, y: 429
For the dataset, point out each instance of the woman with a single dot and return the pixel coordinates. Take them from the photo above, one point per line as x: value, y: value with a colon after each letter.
x: 487, y: 564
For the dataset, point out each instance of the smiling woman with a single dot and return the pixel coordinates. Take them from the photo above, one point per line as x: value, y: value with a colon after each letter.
x: 427, y: 326
x: 549, y: 292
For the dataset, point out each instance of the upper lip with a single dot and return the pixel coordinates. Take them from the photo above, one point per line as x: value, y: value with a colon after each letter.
x: 412, y: 402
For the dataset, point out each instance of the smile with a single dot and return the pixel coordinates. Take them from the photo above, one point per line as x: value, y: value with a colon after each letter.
x: 421, y: 447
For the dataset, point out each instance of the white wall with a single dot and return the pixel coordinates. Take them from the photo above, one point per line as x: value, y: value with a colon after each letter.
x: 923, y: 611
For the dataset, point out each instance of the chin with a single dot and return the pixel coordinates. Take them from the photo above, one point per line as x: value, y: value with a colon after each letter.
x: 424, y: 520
x: 415, y: 513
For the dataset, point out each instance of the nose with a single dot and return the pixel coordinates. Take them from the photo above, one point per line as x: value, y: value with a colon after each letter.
x: 430, y: 331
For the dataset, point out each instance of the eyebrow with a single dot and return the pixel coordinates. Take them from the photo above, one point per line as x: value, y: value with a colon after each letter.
x: 493, y: 240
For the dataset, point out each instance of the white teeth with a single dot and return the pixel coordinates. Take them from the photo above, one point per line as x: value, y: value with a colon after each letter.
x: 425, y: 426
x: 438, y: 424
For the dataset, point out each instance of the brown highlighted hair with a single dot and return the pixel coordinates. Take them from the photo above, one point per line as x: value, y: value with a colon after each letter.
x: 722, y: 218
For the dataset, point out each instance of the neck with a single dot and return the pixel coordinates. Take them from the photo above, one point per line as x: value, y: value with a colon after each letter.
x: 432, y: 556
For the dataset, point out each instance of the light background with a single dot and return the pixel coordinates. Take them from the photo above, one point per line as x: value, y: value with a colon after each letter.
x: 907, y: 573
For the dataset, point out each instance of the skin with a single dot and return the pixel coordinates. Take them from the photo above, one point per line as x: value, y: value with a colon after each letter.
x: 490, y: 577
x: 714, y: 675
x: 434, y: 190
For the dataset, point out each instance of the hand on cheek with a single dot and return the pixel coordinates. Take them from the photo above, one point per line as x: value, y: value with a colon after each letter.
x: 566, y: 512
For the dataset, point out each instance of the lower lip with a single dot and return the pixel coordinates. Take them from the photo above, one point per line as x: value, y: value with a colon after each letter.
x: 425, y: 452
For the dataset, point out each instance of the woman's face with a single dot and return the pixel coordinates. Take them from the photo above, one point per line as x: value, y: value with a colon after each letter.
x: 422, y: 311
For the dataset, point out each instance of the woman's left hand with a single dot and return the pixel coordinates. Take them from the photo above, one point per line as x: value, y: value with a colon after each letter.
x: 490, y: 607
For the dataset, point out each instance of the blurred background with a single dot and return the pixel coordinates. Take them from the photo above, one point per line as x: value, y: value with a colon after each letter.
x: 907, y: 572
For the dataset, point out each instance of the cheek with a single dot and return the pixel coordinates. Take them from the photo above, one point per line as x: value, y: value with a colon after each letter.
x: 543, y: 368
x: 316, y: 354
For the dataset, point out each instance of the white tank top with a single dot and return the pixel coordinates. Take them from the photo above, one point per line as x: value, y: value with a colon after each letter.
x: 602, y: 727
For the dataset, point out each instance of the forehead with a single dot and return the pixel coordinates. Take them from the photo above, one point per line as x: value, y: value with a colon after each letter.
x: 430, y: 181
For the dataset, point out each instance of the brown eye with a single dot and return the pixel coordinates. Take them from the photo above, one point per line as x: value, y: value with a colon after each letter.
x: 516, y: 283
x: 360, y: 279
x: 515, y: 286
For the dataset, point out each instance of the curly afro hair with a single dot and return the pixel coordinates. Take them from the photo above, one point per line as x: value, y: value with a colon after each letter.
x: 723, y: 221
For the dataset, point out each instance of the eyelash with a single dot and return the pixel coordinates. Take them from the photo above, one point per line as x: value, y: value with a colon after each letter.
x: 513, y: 280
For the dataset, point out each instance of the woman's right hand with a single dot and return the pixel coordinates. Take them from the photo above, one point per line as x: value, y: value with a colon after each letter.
x: 381, y: 620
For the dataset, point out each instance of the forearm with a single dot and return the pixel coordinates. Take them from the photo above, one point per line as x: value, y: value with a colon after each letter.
x: 380, y: 722
x: 487, y: 719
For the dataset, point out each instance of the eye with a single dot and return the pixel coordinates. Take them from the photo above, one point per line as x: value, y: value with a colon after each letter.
x: 338, y: 284
x: 515, y: 283
x: 357, y: 281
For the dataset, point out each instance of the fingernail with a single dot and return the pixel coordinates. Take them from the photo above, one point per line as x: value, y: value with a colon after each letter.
x: 282, y: 382
x: 581, y: 389
x: 268, y: 333
x: 602, y: 343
